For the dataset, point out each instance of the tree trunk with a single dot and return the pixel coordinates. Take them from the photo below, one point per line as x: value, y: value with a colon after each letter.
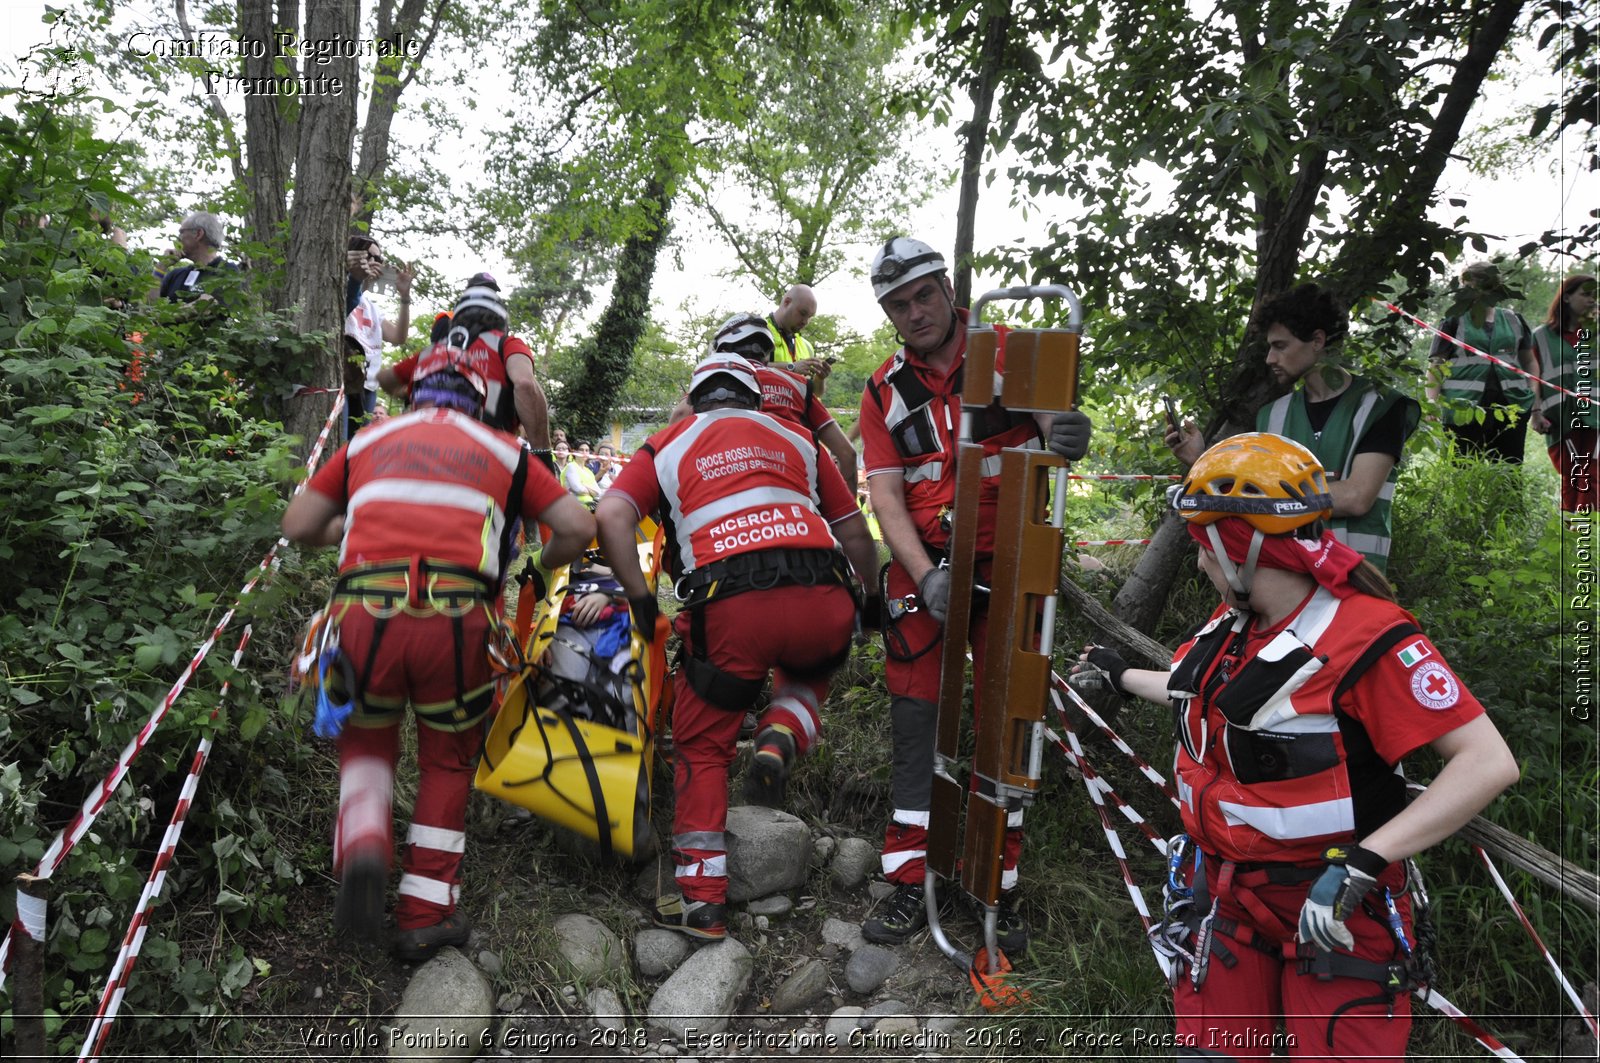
x: 320, y: 217
x: 1142, y: 599
x: 607, y: 358
x: 975, y: 138
x: 269, y: 145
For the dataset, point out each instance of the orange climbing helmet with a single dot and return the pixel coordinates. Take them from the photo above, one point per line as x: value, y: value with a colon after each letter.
x: 1273, y: 483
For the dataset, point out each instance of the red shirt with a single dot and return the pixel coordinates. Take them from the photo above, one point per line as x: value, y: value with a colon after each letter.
x: 432, y: 484
x: 930, y: 477
x: 735, y: 481
x: 787, y: 396
x: 491, y: 364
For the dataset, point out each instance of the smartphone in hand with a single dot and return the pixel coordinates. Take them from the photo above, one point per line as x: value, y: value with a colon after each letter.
x: 1172, y: 412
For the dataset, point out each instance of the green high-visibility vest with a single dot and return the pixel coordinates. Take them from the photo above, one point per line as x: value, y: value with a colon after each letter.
x: 780, y: 348
x: 1362, y: 405
x: 1560, y: 364
x: 1469, y: 373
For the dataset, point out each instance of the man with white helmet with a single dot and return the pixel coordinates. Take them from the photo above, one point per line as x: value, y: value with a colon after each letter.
x: 751, y: 516
x: 785, y: 393
x: 910, y: 420
x: 478, y: 329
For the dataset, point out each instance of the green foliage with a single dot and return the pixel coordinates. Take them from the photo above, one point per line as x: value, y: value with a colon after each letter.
x: 133, y: 511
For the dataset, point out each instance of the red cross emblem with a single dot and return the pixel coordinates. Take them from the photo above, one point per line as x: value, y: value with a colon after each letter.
x: 1434, y: 687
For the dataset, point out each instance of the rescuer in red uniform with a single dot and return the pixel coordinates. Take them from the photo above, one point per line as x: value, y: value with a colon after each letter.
x: 751, y: 516
x: 423, y: 509
x: 910, y: 423
x: 1295, y: 705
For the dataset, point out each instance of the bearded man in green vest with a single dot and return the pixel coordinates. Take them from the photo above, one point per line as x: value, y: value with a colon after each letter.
x: 1355, y: 427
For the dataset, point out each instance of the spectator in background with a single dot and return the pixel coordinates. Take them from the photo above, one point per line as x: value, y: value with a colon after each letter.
x: 609, y: 465
x: 1567, y: 359
x: 790, y: 349
x: 200, y: 242
x: 1473, y: 382
x: 366, y: 330
x: 590, y: 461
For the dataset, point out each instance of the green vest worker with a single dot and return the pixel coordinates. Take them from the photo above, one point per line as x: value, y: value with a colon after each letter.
x: 794, y: 312
x: 1472, y: 381
x: 1357, y: 429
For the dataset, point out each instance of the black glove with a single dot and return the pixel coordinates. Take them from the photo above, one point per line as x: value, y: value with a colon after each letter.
x: 872, y: 613
x: 1336, y: 896
x: 1111, y: 663
x: 645, y: 611
x: 933, y: 593
x: 1069, y: 434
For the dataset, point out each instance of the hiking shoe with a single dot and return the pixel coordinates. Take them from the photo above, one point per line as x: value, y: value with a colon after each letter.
x: 902, y: 914
x: 421, y: 943
x: 707, y: 920
x: 1010, y: 929
x: 768, y: 778
x: 358, y: 911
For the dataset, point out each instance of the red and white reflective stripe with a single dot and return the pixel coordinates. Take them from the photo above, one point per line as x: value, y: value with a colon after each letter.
x: 1566, y: 986
x: 1502, y: 363
x: 1111, y: 542
x: 133, y: 940
x: 92, y: 806
x: 1117, y: 740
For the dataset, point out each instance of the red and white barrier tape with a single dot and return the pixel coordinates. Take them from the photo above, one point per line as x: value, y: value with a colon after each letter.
x: 133, y: 940
x: 1117, y: 740
x: 1144, y: 476
x: 1566, y: 986
x: 1090, y: 780
x: 1111, y: 542
x: 1470, y: 349
x: 67, y: 839
x: 1437, y: 1000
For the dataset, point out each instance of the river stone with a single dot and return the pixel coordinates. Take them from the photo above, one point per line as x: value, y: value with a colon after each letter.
x: 801, y: 988
x: 606, y: 1007
x: 445, y: 1011
x: 702, y: 993
x: 853, y: 861
x: 843, y: 934
x: 768, y: 852
x: 841, y: 1024
x: 589, y: 946
x: 822, y: 849
x: 776, y: 905
x: 659, y: 952
x: 869, y: 967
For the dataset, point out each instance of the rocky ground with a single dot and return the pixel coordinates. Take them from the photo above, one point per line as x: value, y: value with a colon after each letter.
x: 794, y: 979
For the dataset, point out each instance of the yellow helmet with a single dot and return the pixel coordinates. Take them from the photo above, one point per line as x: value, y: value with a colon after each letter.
x: 1273, y: 483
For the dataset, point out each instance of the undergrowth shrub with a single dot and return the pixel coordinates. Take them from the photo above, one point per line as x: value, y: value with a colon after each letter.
x: 133, y: 512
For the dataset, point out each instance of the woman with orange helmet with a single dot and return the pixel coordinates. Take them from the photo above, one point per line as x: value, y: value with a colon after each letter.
x: 1287, y: 900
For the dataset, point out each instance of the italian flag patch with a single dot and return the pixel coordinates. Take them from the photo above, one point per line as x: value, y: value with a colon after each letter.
x: 1414, y: 654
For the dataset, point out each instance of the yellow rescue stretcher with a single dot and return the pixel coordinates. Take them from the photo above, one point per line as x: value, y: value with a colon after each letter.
x: 583, y: 774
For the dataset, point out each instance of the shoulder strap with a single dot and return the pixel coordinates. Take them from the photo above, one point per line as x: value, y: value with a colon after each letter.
x: 519, y: 483
x: 1382, y: 645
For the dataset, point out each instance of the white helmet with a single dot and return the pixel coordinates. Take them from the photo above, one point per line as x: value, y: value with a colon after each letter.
x: 901, y: 260
x: 484, y: 296
x: 743, y: 334
x: 727, y: 372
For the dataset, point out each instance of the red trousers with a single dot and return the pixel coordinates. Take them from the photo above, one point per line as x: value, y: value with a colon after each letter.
x: 1239, y: 1009
x: 415, y: 664
x: 785, y: 630
x: 1577, y: 459
x: 914, y: 651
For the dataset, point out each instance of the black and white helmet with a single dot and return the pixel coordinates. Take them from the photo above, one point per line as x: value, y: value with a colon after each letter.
x: 745, y: 335
x: 901, y: 260
x: 482, y: 303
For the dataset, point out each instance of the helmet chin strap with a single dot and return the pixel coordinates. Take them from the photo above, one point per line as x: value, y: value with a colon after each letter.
x: 1240, y: 578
